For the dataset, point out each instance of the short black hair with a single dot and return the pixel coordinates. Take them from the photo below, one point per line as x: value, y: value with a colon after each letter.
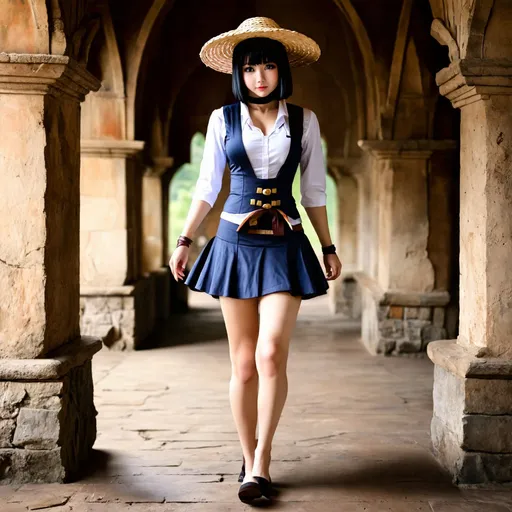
x: 260, y: 50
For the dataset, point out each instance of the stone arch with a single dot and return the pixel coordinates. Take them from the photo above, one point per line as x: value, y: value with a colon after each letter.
x: 104, y: 112
x: 105, y: 59
x: 370, y: 70
x: 135, y: 55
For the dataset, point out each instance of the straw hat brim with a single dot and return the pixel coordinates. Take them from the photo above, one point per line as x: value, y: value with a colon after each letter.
x: 217, y: 53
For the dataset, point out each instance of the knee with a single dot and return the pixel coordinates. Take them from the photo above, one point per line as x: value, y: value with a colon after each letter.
x: 243, y: 366
x: 271, y: 358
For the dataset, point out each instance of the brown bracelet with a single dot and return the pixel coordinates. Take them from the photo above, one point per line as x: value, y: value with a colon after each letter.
x: 184, y: 240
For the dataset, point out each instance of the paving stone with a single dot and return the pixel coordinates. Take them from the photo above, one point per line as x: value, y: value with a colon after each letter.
x: 465, y: 506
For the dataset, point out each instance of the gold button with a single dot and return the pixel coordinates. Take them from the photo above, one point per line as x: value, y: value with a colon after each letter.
x: 253, y: 222
x: 278, y: 202
x: 267, y: 206
x: 259, y: 190
x: 274, y: 203
x: 253, y: 201
x: 258, y: 203
x: 274, y: 191
x: 267, y: 191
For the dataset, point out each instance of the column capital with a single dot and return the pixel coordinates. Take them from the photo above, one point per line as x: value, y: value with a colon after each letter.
x: 110, y: 148
x: 159, y: 165
x: 348, y: 166
x: 468, y: 80
x: 415, y: 149
x: 56, y: 75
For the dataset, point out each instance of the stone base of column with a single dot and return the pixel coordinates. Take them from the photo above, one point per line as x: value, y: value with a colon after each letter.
x: 347, y: 300
x: 400, y: 322
x: 124, y: 317
x: 47, y: 415
x: 472, y: 419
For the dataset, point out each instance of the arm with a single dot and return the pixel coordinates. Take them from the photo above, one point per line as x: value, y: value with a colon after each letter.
x: 313, y: 185
x: 207, y: 189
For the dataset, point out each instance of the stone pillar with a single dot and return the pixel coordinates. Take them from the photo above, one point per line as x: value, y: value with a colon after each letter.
x: 402, y: 312
x: 47, y: 415
x: 117, y: 300
x: 153, y: 236
x: 472, y: 420
x: 344, y: 292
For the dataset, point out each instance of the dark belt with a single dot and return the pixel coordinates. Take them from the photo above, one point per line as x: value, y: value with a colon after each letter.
x: 279, y: 219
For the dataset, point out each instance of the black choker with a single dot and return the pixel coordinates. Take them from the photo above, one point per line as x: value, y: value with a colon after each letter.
x: 273, y: 96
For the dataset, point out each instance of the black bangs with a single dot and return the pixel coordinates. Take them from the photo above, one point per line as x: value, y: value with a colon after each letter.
x: 260, y: 50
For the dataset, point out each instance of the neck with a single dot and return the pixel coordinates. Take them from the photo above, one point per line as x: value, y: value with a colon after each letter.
x: 263, y: 108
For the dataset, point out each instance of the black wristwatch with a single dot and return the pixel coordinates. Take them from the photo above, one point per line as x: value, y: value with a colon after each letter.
x: 330, y: 249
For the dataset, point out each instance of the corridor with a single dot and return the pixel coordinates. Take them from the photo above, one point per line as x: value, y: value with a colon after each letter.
x: 354, y: 435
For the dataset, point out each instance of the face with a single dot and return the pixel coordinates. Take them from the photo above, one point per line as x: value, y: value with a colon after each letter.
x: 260, y: 79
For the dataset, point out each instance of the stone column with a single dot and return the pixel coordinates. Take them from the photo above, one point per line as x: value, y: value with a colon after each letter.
x: 153, y: 236
x: 402, y: 312
x: 344, y: 292
x: 117, y: 300
x: 47, y: 414
x: 472, y: 421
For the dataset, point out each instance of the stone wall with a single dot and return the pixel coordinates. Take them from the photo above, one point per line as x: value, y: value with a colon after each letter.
x: 399, y: 323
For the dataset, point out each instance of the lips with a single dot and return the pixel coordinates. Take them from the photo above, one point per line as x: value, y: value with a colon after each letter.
x: 261, y: 88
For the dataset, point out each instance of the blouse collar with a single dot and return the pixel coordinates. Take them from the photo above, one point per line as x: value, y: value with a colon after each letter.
x: 282, y: 114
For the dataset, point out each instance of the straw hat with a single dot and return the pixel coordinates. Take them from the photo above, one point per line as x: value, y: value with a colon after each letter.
x: 217, y: 53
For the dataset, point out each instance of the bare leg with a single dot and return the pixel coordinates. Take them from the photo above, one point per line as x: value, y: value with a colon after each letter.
x: 241, y: 319
x: 278, y: 314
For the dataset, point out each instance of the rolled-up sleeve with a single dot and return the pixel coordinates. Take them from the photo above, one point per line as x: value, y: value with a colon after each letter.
x: 312, y: 165
x: 213, y: 163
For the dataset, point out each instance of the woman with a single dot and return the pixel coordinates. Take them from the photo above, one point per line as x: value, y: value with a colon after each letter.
x: 260, y: 257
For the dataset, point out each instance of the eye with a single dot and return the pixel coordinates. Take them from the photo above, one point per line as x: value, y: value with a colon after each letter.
x: 270, y: 66
x: 248, y: 69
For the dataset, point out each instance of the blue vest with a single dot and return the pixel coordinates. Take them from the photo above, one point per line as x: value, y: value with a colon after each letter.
x: 249, y: 193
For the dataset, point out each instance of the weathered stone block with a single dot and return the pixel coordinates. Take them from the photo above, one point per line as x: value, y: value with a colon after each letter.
x: 485, y: 433
x: 31, y: 466
x: 438, y: 317
x: 396, y: 312
x: 411, y: 313
x: 11, y: 396
x: 425, y: 314
x: 391, y: 328
x: 413, y: 328
x: 37, y: 429
x: 488, y: 396
x: 6, y: 432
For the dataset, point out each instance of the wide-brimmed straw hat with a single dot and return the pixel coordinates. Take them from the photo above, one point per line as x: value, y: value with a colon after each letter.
x: 217, y: 53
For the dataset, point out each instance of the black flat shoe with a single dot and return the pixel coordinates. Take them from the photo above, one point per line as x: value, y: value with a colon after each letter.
x: 266, y: 487
x: 241, y: 476
x: 249, y: 492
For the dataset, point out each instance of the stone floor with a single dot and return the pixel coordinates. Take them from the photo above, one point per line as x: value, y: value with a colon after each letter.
x: 354, y: 435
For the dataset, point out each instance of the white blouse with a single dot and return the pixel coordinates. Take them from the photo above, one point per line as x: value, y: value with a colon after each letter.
x: 266, y: 153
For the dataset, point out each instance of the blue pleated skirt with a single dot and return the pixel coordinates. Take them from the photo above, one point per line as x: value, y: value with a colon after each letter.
x: 243, y: 266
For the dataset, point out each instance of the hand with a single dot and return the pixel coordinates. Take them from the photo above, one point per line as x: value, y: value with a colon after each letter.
x: 178, y: 262
x: 332, y: 266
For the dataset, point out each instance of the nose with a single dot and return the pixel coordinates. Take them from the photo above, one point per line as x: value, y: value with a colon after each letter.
x: 259, y: 76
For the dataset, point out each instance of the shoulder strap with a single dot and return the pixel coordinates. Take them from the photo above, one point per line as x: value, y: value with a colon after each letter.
x: 231, y: 118
x: 296, y: 121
